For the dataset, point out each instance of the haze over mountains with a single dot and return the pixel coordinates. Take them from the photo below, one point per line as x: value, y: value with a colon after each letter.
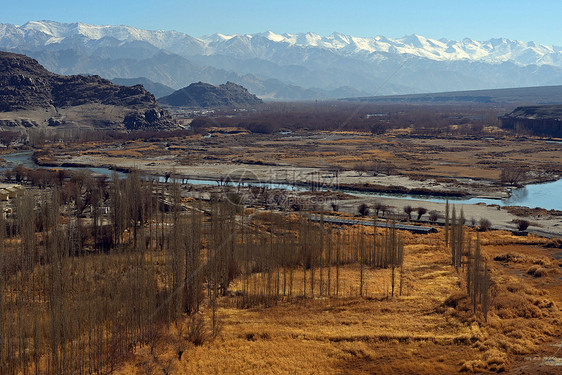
x: 287, y: 66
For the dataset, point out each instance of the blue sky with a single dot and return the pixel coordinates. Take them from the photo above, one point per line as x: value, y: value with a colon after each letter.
x: 537, y: 20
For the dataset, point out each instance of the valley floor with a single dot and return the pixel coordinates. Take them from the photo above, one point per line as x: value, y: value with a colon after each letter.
x: 359, y: 162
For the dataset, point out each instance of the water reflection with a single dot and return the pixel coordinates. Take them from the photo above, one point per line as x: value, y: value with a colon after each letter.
x: 517, y: 196
x: 25, y: 158
x: 548, y: 195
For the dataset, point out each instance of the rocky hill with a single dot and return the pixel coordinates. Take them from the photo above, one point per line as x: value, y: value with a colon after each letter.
x: 157, y: 89
x: 205, y: 95
x: 31, y: 96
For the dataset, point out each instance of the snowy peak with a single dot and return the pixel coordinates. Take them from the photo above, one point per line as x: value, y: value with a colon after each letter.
x: 50, y: 33
x: 272, y: 36
x: 266, y: 44
x: 288, y: 65
x: 496, y: 50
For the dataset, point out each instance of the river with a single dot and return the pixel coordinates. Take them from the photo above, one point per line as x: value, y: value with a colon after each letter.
x: 546, y: 195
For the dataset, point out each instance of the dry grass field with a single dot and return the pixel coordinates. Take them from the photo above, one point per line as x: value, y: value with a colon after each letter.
x: 429, y: 329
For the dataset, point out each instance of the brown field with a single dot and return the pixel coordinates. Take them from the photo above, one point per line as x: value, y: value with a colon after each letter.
x: 464, y: 162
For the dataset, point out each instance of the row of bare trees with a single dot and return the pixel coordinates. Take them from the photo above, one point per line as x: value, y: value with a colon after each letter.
x: 377, y: 118
x: 464, y: 259
x: 270, y: 262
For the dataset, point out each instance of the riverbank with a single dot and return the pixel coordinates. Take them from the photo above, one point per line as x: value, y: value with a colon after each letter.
x: 286, y: 178
x: 430, y: 193
x: 395, y: 162
x: 309, y: 177
x: 543, y: 224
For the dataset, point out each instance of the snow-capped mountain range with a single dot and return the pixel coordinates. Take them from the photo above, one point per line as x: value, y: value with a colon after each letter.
x: 288, y: 66
x: 491, y: 51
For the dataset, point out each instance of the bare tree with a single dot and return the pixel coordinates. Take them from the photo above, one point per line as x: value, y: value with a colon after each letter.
x: 363, y: 209
x: 421, y: 211
x: 513, y: 175
x: 408, y: 210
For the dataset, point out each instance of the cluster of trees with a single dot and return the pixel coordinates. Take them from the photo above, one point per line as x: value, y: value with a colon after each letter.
x: 530, y: 123
x: 40, y: 177
x: 92, y: 269
x: 374, y: 168
x: 37, y: 137
x: 79, y: 292
x: 316, y: 252
x: 432, y: 120
x: 408, y: 210
x: 9, y: 137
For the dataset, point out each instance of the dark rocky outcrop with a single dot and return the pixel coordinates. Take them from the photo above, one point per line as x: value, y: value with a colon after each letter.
x: 542, y: 120
x: 30, y: 95
x: 205, y: 95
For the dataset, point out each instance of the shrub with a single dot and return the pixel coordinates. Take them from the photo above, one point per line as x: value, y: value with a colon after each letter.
x: 537, y: 271
x: 196, y: 331
x: 522, y: 225
x: 485, y: 225
x: 363, y: 209
x: 433, y: 216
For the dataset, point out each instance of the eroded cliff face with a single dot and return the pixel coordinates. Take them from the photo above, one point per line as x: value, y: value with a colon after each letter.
x: 541, y: 120
x: 32, y: 96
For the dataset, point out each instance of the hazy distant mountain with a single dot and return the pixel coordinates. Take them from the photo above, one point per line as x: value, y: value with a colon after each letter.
x: 157, y: 89
x: 204, y: 95
x: 288, y: 66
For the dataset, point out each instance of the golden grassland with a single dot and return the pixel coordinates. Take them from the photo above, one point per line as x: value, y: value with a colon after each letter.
x: 429, y: 329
